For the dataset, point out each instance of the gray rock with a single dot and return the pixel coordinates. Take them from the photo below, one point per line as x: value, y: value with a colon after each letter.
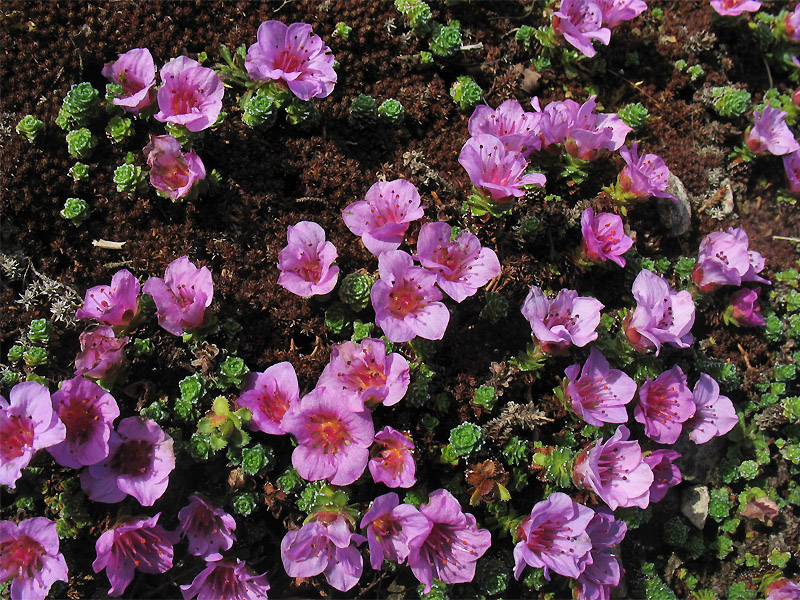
x: 694, y: 505
x: 676, y: 216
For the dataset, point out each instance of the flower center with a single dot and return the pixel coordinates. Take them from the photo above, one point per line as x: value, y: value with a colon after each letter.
x: 16, y: 434
x: 176, y: 173
x: 273, y: 405
x: 79, y: 417
x: 405, y: 299
x: 288, y: 62
x: 330, y: 432
x: 133, y: 458
x: 138, y: 546
x: 21, y: 557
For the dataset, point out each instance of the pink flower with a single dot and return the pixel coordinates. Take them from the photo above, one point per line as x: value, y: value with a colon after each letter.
x: 406, y: 301
x: 580, y: 22
x: 116, y: 304
x: 592, y: 133
x: 269, y: 395
x: 102, y: 353
x: 617, y: 11
x: 495, y: 171
x: 792, y: 24
x: 139, y: 463
x: 324, y: 545
x: 665, y: 404
x: 382, y: 218
x: 462, y: 265
x: 567, y: 320
x: 389, y: 526
x: 783, y: 589
x: 556, y: 120
x: 27, y: 424
x: 770, y: 133
x: 714, y: 414
x: 603, y: 573
x: 208, y: 527
x: 306, y: 263
x: 643, y: 176
x: 88, y: 412
x: 182, y: 297
x: 29, y: 558
x: 517, y: 129
x: 725, y: 259
x: 554, y: 537
x: 227, y: 579
x: 333, y: 441
x: 665, y: 473
x: 171, y: 171
x: 615, y: 471
x: 733, y: 8
x: 600, y: 394
x: 394, y: 463
x: 791, y: 166
x: 135, y: 545
x: 191, y: 95
x: 135, y: 72
x: 662, y: 316
x: 365, y: 374
x: 604, y: 237
x: 744, y: 309
x: 450, y: 549
x: 294, y: 55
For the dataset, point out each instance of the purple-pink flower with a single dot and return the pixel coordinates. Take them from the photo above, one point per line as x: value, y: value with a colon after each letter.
x: 643, y: 176
x: 556, y: 120
x: 406, y: 300
x: 770, y: 133
x: 382, y: 218
x: 783, y: 589
x: 580, y: 22
x: 714, y: 414
x: 191, y: 95
x: 102, y: 353
x: 306, y: 262
x: 227, y: 579
x: 791, y: 166
x: 734, y: 8
x: 617, y: 11
x: 591, y: 133
x: 495, y: 171
x: 597, y: 393
x: 662, y: 316
x: 450, y: 549
x: 604, y: 237
x: 516, y: 128
x: 27, y: 424
x: 743, y: 308
x: 294, y: 55
x: 393, y: 461
x: 365, y: 374
x: 208, y: 528
x: 724, y: 258
x: 269, y: 395
x: 135, y: 72
x: 389, y: 526
x: 792, y: 24
x: 137, y: 544
x: 29, y: 558
x: 139, y: 462
x: 554, y: 537
x: 116, y: 304
x: 462, y: 265
x: 666, y: 474
x: 566, y: 320
x: 88, y: 412
x: 171, y: 171
x: 182, y: 297
x: 615, y: 471
x: 333, y: 441
x: 324, y: 545
x: 665, y: 404
x: 603, y: 573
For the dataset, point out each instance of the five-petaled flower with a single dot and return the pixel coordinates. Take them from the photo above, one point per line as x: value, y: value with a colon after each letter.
x: 665, y: 404
x: 29, y: 558
x: 770, y: 133
x: 27, y: 424
x: 182, y: 297
x: 227, y: 579
x: 566, y: 320
x: 390, y: 526
x: 191, y: 95
x: 294, y: 55
x: 580, y: 22
x: 306, y: 262
x: 269, y: 395
x: 171, y: 171
x: 137, y: 544
x: 590, y: 133
x: 393, y: 460
x: 643, y: 176
x: 208, y: 528
x: 135, y: 72
x: 724, y: 258
x: 115, y: 305
x: 102, y: 353
x: 714, y: 414
x: 666, y: 473
x: 604, y: 237
x: 515, y: 127
x: 602, y: 573
x: 744, y: 309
